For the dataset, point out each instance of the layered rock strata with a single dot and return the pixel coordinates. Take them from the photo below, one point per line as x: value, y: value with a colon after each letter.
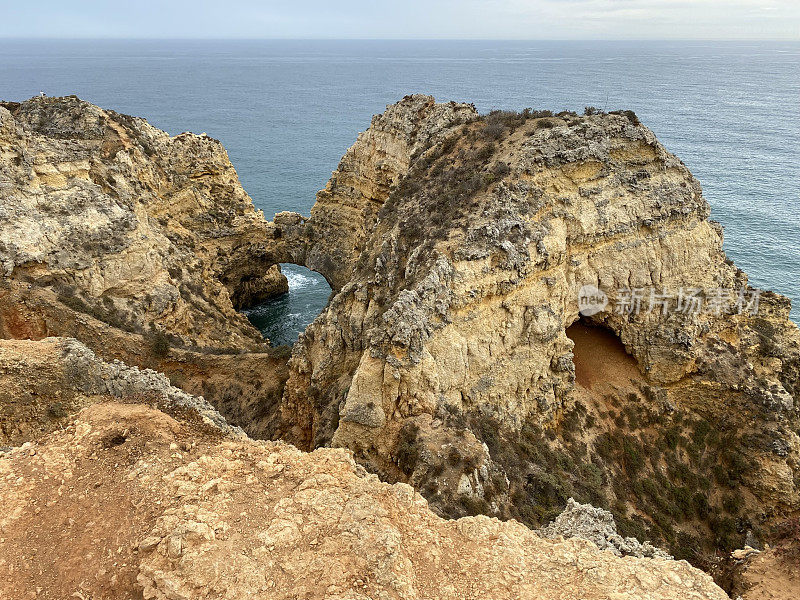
x: 452, y: 355
x: 127, y: 222
x: 140, y: 244
x: 461, y: 244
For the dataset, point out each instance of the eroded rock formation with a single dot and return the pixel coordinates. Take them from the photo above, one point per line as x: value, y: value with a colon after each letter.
x: 123, y: 221
x: 141, y: 245
x: 597, y: 525
x: 451, y: 356
x: 460, y: 245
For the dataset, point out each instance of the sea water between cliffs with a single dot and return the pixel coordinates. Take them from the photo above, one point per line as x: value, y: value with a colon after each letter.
x: 286, y: 110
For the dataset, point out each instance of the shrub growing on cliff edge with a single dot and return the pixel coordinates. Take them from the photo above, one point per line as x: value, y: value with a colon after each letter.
x: 159, y: 344
x: 407, y: 449
x: 629, y: 114
x: 546, y: 124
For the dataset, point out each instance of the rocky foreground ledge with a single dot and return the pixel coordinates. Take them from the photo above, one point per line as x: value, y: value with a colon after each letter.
x: 128, y: 502
x: 148, y: 492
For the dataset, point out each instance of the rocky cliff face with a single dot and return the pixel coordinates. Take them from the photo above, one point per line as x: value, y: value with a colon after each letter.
x: 190, y: 513
x: 448, y: 357
x: 452, y: 355
x: 127, y: 223
x: 139, y: 244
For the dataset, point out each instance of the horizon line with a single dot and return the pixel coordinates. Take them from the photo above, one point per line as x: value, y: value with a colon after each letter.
x: 388, y: 39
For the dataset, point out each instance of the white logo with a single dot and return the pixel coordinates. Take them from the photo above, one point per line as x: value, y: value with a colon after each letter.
x: 591, y: 300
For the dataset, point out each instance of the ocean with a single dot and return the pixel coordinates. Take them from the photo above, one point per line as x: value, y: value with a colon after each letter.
x: 287, y: 110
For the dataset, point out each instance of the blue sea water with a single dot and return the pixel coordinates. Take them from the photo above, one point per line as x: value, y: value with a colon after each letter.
x: 287, y: 110
x: 284, y: 318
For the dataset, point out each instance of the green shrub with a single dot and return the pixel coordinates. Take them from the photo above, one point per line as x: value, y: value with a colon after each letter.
x: 732, y: 503
x: 547, y: 489
x: 407, y: 447
x: 159, y: 344
x: 633, y: 456
x: 688, y: 547
x: 453, y: 456
x: 631, y: 116
x: 700, y: 430
x: 56, y: 410
x: 671, y: 437
x: 682, y: 499
x: 701, y: 506
x: 722, y: 476
x: 724, y: 530
x: 473, y: 505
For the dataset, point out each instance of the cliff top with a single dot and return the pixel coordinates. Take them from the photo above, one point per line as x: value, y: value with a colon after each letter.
x: 186, y: 515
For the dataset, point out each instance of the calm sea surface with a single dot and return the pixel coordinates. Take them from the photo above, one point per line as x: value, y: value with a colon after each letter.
x: 287, y: 110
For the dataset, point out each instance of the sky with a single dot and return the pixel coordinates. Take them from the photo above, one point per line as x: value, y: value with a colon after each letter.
x: 403, y: 19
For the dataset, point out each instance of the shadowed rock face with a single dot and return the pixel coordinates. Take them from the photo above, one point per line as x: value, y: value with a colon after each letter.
x: 457, y: 246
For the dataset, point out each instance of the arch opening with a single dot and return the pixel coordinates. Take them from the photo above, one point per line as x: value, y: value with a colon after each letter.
x: 283, y: 318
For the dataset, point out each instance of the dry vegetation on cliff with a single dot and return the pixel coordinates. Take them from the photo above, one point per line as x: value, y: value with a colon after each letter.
x: 165, y: 510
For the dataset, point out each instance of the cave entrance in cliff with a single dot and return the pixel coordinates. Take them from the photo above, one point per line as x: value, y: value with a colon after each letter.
x: 599, y: 356
x: 283, y: 318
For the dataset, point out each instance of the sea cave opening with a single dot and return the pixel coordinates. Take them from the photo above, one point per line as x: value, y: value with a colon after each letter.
x: 599, y: 355
x: 283, y: 318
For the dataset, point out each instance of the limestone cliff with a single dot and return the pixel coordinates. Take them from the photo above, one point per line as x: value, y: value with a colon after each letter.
x: 448, y: 357
x: 141, y: 245
x: 130, y: 224
x: 128, y: 502
x: 452, y: 355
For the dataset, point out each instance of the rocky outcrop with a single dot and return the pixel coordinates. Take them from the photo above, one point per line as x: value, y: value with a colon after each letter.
x: 460, y: 246
x: 344, y: 215
x: 125, y: 222
x: 141, y: 245
x: 190, y: 513
x: 452, y: 355
x: 44, y: 383
x: 597, y: 525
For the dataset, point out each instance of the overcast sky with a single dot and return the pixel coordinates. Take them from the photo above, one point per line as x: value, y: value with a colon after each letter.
x: 487, y: 19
